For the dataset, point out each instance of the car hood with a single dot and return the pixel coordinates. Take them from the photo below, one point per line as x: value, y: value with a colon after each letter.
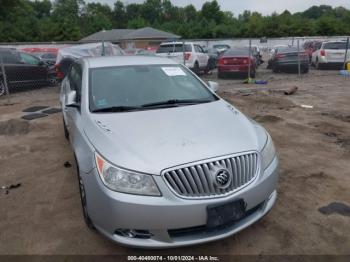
x: 153, y: 140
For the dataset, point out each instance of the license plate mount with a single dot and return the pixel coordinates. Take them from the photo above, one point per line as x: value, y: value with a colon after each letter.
x: 218, y: 215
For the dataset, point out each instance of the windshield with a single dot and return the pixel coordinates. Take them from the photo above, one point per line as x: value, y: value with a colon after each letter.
x: 237, y: 52
x: 173, y: 48
x: 221, y: 46
x: 137, y: 86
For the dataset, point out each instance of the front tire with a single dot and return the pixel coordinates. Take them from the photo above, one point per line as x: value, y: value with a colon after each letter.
x: 252, y: 74
x: 82, y: 193
x: 196, y: 68
x: 65, y: 130
x: 2, y: 88
x: 318, y: 65
x: 305, y: 70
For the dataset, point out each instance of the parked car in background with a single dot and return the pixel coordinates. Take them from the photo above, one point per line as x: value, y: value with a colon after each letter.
x: 145, y: 52
x: 236, y: 61
x: 274, y: 50
x: 331, y: 55
x: 50, y: 65
x: 286, y: 59
x: 131, y: 50
x: 47, y: 57
x: 190, y: 54
x: 152, y: 48
x: 310, y: 47
x: 257, y: 54
x: 213, y: 58
x: 221, y: 47
x: 148, y: 176
x: 22, y: 70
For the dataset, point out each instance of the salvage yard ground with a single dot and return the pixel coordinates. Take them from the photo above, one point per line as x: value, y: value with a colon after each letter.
x: 44, y: 216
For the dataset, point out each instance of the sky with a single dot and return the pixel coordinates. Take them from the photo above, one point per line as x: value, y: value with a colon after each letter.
x: 265, y: 7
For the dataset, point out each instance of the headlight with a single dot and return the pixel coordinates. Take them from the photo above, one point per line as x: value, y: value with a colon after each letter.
x: 268, y: 153
x: 125, y: 181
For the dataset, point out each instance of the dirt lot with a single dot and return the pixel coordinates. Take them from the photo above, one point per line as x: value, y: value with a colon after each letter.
x: 43, y: 216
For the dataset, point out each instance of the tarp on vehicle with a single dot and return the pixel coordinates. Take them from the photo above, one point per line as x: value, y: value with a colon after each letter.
x: 89, y: 50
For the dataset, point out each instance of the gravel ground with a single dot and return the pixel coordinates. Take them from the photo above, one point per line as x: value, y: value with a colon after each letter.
x: 43, y: 216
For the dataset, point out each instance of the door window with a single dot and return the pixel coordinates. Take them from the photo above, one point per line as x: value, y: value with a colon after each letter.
x: 29, y: 59
x: 75, y: 80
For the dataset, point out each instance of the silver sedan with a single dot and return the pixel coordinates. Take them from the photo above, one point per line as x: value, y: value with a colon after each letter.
x: 162, y: 160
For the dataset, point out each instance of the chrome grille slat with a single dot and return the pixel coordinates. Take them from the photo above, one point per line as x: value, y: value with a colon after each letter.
x: 235, y: 172
x: 184, y: 180
x: 207, y: 174
x: 178, y: 182
x: 191, y: 181
x: 203, y: 178
x: 199, y: 180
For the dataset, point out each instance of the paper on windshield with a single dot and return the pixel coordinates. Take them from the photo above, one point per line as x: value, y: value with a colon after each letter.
x: 173, y: 71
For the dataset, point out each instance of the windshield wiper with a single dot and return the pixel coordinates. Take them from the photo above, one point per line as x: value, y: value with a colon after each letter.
x: 117, y: 109
x: 168, y: 103
x: 176, y: 102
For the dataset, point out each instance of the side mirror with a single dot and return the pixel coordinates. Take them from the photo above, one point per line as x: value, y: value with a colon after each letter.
x: 214, y: 86
x: 71, y: 99
x: 41, y: 63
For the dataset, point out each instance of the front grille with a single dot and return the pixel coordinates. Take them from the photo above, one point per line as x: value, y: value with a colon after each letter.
x: 200, y: 180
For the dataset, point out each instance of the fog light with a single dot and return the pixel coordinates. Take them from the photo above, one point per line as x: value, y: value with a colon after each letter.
x: 133, y: 233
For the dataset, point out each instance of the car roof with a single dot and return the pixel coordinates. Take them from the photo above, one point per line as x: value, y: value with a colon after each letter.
x: 289, y: 49
x: 7, y: 49
x: 108, y: 61
x: 237, y: 51
x: 334, y: 41
x: 176, y: 43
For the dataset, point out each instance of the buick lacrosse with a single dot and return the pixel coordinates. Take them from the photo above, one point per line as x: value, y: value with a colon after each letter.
x: 162, y: 160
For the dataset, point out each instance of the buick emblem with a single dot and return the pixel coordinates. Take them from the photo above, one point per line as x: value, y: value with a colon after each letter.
x: 222, y: 178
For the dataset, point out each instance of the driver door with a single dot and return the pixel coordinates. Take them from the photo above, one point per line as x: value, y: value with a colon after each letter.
x: 72, y: 114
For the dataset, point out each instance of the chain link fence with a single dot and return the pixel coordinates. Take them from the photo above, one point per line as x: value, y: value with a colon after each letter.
x: 23, y: 69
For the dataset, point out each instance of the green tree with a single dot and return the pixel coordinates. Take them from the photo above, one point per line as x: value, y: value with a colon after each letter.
x: 119, y: 14
x: 211, y: 11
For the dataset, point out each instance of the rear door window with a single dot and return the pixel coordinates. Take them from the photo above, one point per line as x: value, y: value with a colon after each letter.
x: 174, y: 48
x: 335, y: 45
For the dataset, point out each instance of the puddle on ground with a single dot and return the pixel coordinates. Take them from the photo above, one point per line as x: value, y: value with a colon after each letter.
x: 335, y: 207
x: 267, y: 118
x: 14, y: 127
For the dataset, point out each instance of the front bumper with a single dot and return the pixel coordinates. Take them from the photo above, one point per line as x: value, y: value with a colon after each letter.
x: 164, y: 217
